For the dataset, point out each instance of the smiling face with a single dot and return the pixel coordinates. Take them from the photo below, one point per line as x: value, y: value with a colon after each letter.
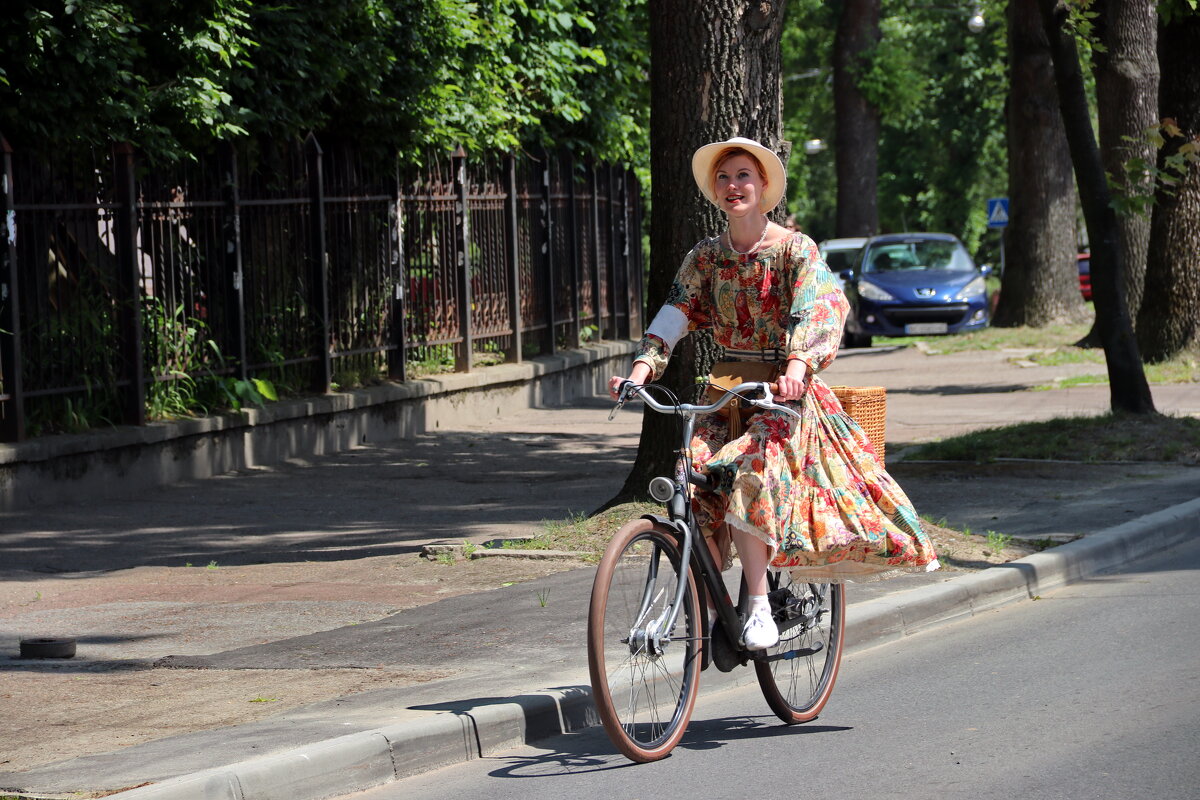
x: 738, y: 183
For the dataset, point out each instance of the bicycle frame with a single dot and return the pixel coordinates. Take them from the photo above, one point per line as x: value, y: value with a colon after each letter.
x: 645, y: 677
x: 679, y: 510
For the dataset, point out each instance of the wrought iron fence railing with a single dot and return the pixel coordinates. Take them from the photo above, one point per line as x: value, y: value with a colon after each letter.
x: 129, y: 292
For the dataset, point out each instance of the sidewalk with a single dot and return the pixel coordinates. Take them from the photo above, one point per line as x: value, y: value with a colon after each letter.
x: 317, y: 620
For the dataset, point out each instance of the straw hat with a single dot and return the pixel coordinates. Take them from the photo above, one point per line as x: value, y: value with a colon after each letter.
x: 702, y: 170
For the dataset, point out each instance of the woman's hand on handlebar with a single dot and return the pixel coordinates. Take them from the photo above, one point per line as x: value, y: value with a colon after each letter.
x: 638, y: 375
x: 793, y: 383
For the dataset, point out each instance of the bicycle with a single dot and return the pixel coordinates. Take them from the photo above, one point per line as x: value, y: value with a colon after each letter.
x: 647, y: 638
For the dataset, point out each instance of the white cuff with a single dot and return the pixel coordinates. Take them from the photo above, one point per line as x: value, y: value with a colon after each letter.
x: 670, y: 324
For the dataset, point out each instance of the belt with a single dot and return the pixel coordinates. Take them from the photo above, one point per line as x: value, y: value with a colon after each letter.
x: 770, y: 355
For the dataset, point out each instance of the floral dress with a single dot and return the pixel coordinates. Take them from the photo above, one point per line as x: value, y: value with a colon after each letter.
x: 811, y: 488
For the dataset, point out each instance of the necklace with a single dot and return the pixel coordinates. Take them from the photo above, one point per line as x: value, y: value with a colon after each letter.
x: 755, y: 246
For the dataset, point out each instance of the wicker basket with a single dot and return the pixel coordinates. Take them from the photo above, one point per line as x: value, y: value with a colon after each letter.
x: 866, y: 405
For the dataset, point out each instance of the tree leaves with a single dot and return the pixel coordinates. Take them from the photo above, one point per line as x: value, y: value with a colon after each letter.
x: 173, y: 76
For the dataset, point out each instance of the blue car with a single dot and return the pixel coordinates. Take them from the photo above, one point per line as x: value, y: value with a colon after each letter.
x: 909, y: 284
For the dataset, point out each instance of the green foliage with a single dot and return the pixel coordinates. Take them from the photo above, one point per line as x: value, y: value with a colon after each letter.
x: 1144, y: 179
x: 998, y: 541
x: 807, y: 50
x: 1172, y: 11
x: 172, y: 76
x: 237, y: 393
x: 188, y: 367
x: 940, y: 91
x: 154, y: 73
x: 1080, y: 21
x: 891, y: 75
x: 431, y: 360
x: 941, y: 160
x: 1110, y: 437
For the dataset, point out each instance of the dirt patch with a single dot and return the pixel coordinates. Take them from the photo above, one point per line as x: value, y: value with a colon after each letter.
x: 971, y: 552
x: 92, y: 713
x: 110, y: 696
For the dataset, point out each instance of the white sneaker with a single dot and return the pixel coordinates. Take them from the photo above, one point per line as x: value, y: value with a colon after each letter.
x: 760, y: 631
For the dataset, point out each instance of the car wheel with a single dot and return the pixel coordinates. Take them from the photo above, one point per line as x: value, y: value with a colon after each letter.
x: 856, y: 339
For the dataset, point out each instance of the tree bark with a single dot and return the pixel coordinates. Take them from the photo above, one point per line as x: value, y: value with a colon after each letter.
x: 1169, y: 319
x: 856, y: 137
x: 1040, y: 284
x: 1128, y: 389
x: 1126, y: 72
x: 714, y: 74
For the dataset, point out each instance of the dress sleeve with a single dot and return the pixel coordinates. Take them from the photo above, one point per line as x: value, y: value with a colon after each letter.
x: 818, y: 310
x: 686, y: 309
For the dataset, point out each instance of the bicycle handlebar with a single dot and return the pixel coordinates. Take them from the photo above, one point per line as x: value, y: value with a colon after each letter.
x: 629, y: 388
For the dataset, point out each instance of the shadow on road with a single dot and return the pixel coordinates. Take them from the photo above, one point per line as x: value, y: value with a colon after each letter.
x: 372, y: 501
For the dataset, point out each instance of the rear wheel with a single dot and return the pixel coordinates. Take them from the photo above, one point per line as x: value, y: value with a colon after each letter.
x: 797, y: 675
x: 645, y: 671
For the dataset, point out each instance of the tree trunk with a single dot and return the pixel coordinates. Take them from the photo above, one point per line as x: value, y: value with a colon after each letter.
x: 714, y: 74
x: 1169, y: 322
x: 1126, y: 71
x: 1128, y: 389
x: 856, y: 137
x: 1040, y: 284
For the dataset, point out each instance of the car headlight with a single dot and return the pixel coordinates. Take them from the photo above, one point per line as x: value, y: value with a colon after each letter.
x: 872, y: 292
x: 976, y: 287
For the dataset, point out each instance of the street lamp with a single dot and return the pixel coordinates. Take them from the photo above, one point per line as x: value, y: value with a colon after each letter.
x: 975, y: 22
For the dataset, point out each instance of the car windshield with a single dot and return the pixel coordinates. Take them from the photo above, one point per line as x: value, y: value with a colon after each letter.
x: 838, y: 260
x: 918, y: 254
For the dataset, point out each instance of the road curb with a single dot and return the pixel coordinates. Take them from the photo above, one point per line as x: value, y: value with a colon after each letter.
x: 372, y: 758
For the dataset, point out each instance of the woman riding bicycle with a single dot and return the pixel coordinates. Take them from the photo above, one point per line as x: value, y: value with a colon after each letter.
x: 805, y: 494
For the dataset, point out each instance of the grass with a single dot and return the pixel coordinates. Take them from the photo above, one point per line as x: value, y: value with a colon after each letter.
x: 581, y: 533
x: 1183, y: 368
x: 1024, y: 338
x: 998, y: 541
x: 1053, y: 345
x: 1108, y: 437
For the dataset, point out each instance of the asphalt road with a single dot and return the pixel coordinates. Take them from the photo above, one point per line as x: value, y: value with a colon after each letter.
x: 1093, y: 691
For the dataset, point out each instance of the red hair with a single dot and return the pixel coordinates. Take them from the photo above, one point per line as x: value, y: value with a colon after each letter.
x: 730, y: 152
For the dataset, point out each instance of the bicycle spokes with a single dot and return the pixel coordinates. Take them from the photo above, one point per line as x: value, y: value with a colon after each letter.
x: 644, y: 667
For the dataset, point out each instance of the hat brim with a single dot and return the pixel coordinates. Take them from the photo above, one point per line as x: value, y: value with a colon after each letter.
x: 776, y: 177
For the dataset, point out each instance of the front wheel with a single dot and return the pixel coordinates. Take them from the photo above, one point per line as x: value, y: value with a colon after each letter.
x: 645, y: 670
x: 797, y: 675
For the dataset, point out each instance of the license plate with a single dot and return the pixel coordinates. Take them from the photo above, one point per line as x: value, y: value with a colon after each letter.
x: 925, y: 327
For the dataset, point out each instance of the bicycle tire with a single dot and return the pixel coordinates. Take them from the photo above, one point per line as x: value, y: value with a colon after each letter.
x: 644, y: 698
x: 798, y: 687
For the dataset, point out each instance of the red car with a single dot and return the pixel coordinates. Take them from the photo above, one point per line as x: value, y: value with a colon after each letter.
x: 1085, y: 275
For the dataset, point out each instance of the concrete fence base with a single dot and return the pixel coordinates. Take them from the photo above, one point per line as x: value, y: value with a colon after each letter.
x: 121, y: 462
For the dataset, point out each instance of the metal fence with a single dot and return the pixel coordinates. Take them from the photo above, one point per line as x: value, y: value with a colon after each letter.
x: 123, y: 287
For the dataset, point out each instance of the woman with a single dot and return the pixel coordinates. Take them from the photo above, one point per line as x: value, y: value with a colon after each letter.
x: 808, y: 494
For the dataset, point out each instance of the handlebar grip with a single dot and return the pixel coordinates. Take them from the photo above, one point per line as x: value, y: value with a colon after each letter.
x: 703, y: 480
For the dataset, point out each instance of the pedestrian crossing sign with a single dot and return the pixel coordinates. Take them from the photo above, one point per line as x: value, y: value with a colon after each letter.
x: 997, y: 212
